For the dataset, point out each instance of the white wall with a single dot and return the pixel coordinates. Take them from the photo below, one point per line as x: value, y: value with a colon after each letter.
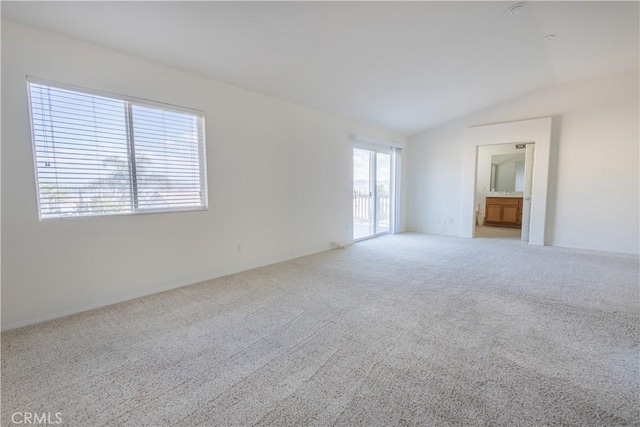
x: 594, y: 182
x: 279, y: 184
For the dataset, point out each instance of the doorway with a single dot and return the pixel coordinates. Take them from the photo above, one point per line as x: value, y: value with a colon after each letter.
x: 504, y: 175
x: 534, y: 130
x: 373, y: 191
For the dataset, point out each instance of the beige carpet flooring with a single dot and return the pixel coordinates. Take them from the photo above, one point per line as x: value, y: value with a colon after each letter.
x: 400, y: 330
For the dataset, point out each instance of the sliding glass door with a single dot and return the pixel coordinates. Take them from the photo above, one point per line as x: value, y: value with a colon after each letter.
x: 383, y: 192
x: 372, y: 192
x: 362, y: 194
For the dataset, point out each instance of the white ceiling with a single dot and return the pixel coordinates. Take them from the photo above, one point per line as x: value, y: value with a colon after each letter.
x: 403, y: 65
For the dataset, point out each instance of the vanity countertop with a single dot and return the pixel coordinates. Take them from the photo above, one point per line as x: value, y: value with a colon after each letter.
x: 507, y: 197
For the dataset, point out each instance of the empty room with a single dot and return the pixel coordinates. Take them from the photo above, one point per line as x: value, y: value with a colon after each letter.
x: 320, y: 213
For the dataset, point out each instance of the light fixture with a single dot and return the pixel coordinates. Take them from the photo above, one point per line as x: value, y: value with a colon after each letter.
x: 515, y: 9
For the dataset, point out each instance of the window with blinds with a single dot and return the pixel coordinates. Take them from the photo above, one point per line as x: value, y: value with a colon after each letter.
x: 100, y: 154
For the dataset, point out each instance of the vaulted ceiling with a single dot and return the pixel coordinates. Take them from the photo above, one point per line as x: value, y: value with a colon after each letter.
x: 406, y: 66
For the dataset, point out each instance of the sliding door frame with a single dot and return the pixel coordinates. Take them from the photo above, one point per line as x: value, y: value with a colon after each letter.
x: 394, y: 151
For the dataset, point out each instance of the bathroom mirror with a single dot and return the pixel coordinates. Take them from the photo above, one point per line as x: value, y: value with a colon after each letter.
x: 507, y: 172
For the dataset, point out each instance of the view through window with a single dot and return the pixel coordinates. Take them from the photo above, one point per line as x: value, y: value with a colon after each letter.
x: 100, y: 155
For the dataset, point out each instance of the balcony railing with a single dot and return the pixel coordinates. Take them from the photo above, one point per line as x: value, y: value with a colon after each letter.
x: 363, y: 213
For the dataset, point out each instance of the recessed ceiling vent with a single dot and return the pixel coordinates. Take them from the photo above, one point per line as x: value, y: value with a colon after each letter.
x: 515, y: 9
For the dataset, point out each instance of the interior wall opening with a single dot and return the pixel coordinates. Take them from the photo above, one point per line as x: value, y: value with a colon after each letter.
x: 504, y: 173
x: 520, y: 132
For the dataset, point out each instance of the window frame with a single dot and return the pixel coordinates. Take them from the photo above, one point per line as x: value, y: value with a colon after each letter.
x: 130, y: 102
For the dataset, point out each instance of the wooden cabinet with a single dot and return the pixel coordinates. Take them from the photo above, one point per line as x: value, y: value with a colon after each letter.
x: 503, y: 212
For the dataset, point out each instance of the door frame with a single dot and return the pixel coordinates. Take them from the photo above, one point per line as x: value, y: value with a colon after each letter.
x: 530, y: 150
x: 395, y: 150
x: 374, y: 149
x: 524, y: 131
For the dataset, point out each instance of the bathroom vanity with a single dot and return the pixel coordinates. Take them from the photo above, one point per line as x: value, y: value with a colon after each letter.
x: 503, y: 211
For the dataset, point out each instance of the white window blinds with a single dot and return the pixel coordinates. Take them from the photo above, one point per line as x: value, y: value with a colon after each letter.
x: 98, y: 154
